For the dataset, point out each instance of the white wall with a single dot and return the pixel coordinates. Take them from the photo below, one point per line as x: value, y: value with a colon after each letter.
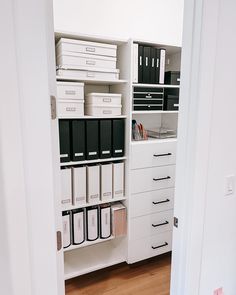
x: 157, y: 20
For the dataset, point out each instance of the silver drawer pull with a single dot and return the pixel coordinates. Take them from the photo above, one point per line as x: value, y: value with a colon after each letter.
x: 161, y: 202
x: 90, y: 49
x: 162, y: 178
x: 160, y: 224
x: 160, y: 246
x: 162, y: 155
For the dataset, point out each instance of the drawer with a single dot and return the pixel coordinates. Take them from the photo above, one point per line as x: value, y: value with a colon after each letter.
x: 148, y: 107
x: 70, y: 109
x: 92, y: 74
x: 108, y: 99
x: 148, y: 95
x: 68, y: 90
x: 148, y: 101
x: 150, y: 179
x: 153, y: 154
x: 148, y: 247
x: 72, y: 45
x: 149, y: 90
x: 151, y: 225
x: 151, y: 202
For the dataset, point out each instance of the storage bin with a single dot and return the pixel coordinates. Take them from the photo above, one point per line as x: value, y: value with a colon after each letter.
x: 108, y: 99
x: 101, y: 110
x: 97, y: 48
x: 69, y: 90
x: 70, y: 109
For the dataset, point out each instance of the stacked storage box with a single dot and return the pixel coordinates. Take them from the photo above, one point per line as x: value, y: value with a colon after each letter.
x: 70, y: 99
x: 103, y: 104
x: 86, y: 60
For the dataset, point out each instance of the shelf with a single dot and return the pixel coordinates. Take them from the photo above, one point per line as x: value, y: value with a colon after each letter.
x: 87, y: 244
x: 92, y: 161
x: 155, y: 85
x: 96, y: 203
x: 96, y: 117
x: 153, y: 112
x: 91, y: 81
x: 153, y: 140
x: 88, y: 259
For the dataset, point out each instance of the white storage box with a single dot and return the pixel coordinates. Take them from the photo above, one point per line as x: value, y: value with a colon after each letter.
x: 85, y: 47
x: 101, y: 110
x: 106, y: 99
x: 70, y: 109
x: 85, y: 60
x: 69, y: 90
x: 92, y: 74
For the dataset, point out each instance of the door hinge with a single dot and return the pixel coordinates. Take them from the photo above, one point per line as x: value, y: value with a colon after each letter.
x: 176, y: 222
x: 59, y: 240
x: 53, y: 107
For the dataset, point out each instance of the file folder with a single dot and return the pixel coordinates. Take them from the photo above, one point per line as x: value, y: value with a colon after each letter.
x: 162, y: 66
x: 105, y: 148
x: 64, y: 137
x: 92, y: 223
x: 93, y: 184
x: 66, y: 188
x: 79, y: 186
x: 118, y: 180
x: 78, y: 226
x: 91, y: 139
x: 153, y: 65
x: 106, y: 182
x: 78, y: 140
x: 118, y: 137
x: 140, y: 63
x: 105, y: 221
x: 146, y: 64
x: 66, y: 229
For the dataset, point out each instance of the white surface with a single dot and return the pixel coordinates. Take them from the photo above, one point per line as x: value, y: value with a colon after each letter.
x: 79, y: 185
x: 69, y: 90
x: 123, y: 19
x: 70, y: 108
x: 106, y: 182
x: 66, y: 188
x: 118, y: 170
x: 93, y: 184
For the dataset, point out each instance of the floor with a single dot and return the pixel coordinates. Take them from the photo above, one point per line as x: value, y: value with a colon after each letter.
x: 145, y: 278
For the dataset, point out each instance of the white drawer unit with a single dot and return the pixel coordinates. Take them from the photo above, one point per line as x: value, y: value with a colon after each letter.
x: 101, y: 110
x: 150, y: 225
x: 69, y: 90
x: 70, y: 109
x: 151, y: 202
x: 92, y: 74
x: 85, y: 60
x: 148, y: 247
x: 153, y: 154
x: 106, y: 99
x: 150, y: 179
x: 72, y: 45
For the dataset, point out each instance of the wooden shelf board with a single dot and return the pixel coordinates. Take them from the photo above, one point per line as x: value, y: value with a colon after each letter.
x: 91, y: 81
x: 92, y: 161
x: 96, y: 203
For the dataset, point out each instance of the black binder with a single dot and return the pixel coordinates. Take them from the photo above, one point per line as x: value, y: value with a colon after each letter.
x: 153, y: 66
x: 78, y: 140
x: 118, y: 137
x: 146, y: 64
x: 64, y: 135
x: 91, y: 139
x: 140, y: 64
x: 105, y: 139
x: 157, y: 66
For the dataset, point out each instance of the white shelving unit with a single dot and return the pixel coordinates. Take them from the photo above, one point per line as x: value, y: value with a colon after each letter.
x: 91, y: 256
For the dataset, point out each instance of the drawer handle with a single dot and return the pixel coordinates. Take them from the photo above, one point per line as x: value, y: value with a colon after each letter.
x: 160, y: 224
x: 162, y: 155
x: 162, y: 178
x: 161, y: 202
x: 160, y: 246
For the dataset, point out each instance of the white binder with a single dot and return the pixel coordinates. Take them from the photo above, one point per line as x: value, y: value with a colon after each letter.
x: 92, y: 224
x: 78, y: 226
x: 66, y: 230
x: 66, y: 189
x: 106, y: 182
x: 162, y: 66
x: 93, y: 184
x: 118, y: 180
x: 79, y: 186
x: 105, y: 222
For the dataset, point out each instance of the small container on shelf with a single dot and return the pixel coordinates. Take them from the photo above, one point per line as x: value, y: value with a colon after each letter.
x: 161, y: 133
x: 138, y: 131
x: 172, y: 77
